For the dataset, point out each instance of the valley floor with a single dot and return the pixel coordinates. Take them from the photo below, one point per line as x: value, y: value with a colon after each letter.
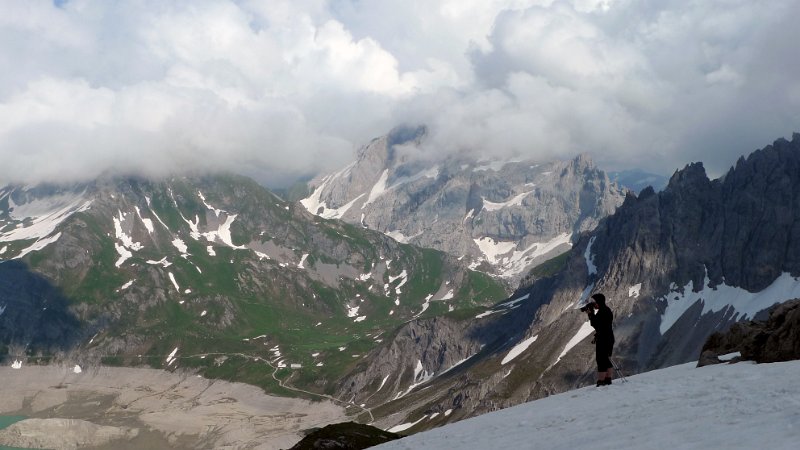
x: 127, y: 408
x: 741, y: 405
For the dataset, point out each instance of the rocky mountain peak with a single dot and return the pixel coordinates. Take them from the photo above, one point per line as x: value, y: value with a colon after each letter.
x: 691, y: 175
x: 407, y: 134
x: 501, y: 216
x: 380, y: 153
x: 583, y: 161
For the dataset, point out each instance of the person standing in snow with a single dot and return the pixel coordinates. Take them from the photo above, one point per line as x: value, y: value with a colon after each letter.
x: 601, y: 321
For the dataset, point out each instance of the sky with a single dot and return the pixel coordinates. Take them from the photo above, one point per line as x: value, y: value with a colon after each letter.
x: 283, y: 89
x: 731, y: 406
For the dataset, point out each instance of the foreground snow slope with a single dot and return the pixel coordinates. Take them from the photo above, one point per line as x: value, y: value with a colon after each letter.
x: 740, y: 405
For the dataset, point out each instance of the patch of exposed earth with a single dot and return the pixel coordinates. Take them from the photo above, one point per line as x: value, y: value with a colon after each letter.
x: 126, y: 408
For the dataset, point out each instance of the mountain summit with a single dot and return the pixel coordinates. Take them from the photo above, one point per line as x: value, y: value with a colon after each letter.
x: 502, y: 217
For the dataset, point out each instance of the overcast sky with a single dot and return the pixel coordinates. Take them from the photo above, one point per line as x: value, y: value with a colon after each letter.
x: 284, y: 88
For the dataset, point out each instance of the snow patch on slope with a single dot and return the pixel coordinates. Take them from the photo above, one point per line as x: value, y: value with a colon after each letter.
x: 148, y: 223
x: 44, y: 215
x: 514, y: 201
x: 39, y: 244
x: 378, y: 189
x: 398, y: 236
x: 589, y: 258
x: 518, y: 349
x: 745, y: 304
x: 511, y: 261
x: 493, y: 250
x: 585, y: 330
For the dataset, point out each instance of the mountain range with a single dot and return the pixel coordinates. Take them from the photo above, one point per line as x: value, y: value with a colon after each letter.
x: 211, y: 273
x: 216, y: 274
x: 502, y: 217
x: 675, y: 265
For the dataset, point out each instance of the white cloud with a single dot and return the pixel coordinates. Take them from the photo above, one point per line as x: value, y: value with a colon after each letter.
x: 283, y: 88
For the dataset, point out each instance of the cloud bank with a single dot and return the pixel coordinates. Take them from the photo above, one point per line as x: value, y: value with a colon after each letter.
x: 285, y: 88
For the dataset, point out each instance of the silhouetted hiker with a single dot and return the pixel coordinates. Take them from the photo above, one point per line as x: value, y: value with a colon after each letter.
x: 603, y: 338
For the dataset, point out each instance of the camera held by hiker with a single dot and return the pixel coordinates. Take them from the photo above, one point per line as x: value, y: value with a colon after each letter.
x: 601, y: 319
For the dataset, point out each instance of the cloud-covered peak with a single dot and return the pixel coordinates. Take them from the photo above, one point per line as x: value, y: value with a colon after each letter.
x: 283, y: 88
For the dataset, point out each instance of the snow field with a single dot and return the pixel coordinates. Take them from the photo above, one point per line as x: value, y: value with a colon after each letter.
x: 741, y: 405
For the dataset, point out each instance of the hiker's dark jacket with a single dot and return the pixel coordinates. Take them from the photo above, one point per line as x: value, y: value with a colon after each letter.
x: 601, y: 321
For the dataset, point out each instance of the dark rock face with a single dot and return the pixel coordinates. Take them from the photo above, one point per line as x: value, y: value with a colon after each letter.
x: 34, y: 312
x: 773, y: 340
x: 345, y: 436
x: 740, y: 230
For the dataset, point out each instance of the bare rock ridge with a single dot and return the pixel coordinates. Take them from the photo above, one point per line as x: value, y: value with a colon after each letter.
x: 503, y: 217
x: 676, y: 266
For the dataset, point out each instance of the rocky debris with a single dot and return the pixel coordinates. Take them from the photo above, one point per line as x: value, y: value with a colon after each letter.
x: 764, y: 341
x: 66, y: 434
x: 345, y: 436
x: 169, y: 410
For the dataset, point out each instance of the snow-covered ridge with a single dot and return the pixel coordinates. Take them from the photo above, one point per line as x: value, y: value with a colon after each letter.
x: 741, y: 405
x: 315, y: 205
x: 38, y: 219
x: 745, y: 304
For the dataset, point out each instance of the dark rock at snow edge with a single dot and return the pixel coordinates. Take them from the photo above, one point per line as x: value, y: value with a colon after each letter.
x: 776, y: 339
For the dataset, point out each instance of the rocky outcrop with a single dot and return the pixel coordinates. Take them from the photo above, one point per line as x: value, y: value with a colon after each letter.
x: 345, y: 436
x: 501, y: 216
x: 772, y: 340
